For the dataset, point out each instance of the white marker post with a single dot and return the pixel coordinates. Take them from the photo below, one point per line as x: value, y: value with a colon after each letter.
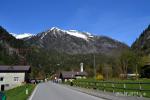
x: 26, y: 91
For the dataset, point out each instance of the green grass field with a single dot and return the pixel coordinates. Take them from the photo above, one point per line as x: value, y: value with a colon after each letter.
x: 117, y: 86
x: 19, y: 93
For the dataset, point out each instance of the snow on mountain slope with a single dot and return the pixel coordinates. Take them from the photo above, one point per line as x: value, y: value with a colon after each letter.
x: 21, y: 36
x: 43, y: 35
x: 54, y: 30
x: 75, y: 42
x: 77, y: 34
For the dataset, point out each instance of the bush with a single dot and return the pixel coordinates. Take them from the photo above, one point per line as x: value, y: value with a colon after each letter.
x: 99, y: 77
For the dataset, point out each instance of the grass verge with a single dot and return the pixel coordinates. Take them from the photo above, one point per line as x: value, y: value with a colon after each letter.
x: 113, y: 86
x: 19, y: 93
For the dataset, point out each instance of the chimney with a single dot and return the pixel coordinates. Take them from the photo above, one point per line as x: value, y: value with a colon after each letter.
x: 81, y: 67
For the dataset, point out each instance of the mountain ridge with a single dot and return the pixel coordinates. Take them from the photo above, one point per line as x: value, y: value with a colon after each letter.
x: 142, y: 44
x: 75, y: 42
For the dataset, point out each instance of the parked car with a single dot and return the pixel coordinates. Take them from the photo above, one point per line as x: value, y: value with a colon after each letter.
x: 33, y: 81
x: 2, y: 96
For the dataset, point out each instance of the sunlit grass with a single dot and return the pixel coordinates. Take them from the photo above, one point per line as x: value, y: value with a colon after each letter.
x: 19, y: 93
x: 117, y: 85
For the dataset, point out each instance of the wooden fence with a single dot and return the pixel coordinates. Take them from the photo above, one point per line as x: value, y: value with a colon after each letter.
x: 126, y: 88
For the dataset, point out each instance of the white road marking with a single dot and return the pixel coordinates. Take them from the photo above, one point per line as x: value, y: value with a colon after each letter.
x: 33, y: 93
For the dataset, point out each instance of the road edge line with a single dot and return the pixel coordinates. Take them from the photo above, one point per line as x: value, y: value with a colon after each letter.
x: 30, y: 98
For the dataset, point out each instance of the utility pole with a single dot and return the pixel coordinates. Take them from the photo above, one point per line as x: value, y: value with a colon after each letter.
x: 94, y: 66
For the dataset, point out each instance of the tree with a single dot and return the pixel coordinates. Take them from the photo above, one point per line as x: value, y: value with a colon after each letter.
x: 129, y: 62
x: 107, y: 71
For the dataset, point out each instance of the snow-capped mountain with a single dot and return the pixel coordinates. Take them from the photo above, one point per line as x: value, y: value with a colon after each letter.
x: 55, y: 30
x: 21, y: 36
x: 76, y: 42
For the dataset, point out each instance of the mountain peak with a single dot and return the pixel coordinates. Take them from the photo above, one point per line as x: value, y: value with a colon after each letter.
x: 75, y: 33
x: 75, y: 42
x: 55, y: 28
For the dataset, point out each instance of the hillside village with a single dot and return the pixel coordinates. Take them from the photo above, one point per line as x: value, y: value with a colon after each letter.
x: 24, y: 57
x: 33, y: 60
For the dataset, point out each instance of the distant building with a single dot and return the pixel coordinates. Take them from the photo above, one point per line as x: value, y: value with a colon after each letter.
x: 13, y: 76
x: 80, y: 75
x: 70, y: 75
x: 129, y: 75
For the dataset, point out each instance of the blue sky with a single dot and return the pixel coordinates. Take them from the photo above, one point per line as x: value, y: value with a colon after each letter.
x: 122, y: 20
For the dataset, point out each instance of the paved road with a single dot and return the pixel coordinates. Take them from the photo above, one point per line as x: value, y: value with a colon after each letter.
x: 51, y: 91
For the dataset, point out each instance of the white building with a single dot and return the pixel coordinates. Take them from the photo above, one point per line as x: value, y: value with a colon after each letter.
x: 13, y: 76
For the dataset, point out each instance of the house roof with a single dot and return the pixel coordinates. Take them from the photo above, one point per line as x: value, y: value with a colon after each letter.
x: 81, y: 74
x: 71, y: 74
x: 5, y: 68
x: 68, y: 74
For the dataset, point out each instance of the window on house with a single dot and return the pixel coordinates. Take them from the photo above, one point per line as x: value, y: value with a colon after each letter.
x: 1, y: 78
x: 16, y: 79
x: 7, y: 85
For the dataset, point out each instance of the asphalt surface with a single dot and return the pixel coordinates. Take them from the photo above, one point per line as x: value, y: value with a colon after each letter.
x: 52, y: 91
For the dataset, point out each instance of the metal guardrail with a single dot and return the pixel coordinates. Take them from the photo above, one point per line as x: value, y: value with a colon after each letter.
x: 116, y: 86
